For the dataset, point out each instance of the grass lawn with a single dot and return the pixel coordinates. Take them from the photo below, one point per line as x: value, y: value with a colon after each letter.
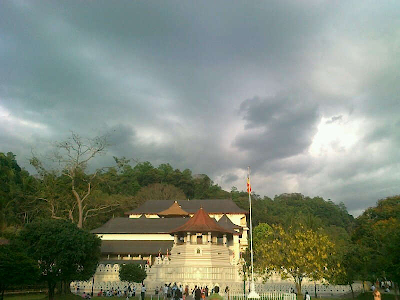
x: 43, y: 296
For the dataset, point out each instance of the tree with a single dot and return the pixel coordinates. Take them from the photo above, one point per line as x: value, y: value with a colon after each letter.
x: 15, y: 268
x: 132, y: 273
x: 68, y: 190
x: 16, y: 190
x: 63, y: 251
x: 347, y: 265
x: 378, y: 232
x: 296, y: 253
x: 159, y: 191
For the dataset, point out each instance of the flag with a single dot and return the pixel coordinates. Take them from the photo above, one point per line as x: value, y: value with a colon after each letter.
x: 159, y: 253
x: 248, y: 185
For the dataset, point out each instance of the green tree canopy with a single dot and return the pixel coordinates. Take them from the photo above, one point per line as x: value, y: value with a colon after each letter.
x: 63, y: 251
x: 16, y: 267
x: 16, y: 190
x: 132, y: 273
x: 159, y: 191
x: 378, y: 232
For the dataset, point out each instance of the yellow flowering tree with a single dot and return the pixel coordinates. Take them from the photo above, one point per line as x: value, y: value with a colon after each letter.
x: 295, y: 253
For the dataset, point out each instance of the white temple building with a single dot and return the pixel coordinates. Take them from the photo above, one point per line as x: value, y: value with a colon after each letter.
x: 190, y: 242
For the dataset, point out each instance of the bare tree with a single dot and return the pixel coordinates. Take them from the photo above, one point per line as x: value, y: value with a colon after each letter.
x: 72, y: 157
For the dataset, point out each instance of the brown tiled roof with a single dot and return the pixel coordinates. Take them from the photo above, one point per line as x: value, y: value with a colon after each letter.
x: 201, y: 222
x: 140, y: 225
x: 213, y: 206
x: 173, y: 210
x: 225, y: 222
x: 135, y: 247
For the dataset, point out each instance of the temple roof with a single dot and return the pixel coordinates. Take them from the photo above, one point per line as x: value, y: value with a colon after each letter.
x: 135, y: 247
x: 173, y: 211
x: 140, y: 225
x: 201, y: 222
x: 213, y: 206
x: 225, y: 222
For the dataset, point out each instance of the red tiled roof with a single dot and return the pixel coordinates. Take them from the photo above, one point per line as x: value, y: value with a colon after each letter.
x: 173, y: 210
x: 201, y: 222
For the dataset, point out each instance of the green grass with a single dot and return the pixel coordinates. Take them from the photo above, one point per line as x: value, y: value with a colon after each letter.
x: 43, y: 296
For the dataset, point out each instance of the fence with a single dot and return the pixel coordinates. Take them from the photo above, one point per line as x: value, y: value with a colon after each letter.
x: 263, y: 296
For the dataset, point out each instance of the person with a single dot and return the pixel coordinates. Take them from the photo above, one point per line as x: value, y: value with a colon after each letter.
x: 134, y: 291
x: 178, y: 294
x: 143, y: 291
x: 197, y: 293
x: 373, y: 288
x: 165, y: 291
x: 376, y: 294
x: 186, y: 293
x: 169, y: 292
x: 227, y: 292
x: 307, y: 296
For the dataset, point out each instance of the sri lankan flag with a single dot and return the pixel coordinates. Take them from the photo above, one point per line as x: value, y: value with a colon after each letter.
x: 248, y: 185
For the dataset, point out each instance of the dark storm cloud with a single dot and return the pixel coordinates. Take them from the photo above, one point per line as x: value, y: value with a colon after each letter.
x: 284, y: 126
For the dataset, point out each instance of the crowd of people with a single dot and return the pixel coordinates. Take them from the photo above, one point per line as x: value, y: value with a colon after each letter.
x: 384, y: 285
x: 167, y: 292
x: 175, y: 292
x: 127, y: 292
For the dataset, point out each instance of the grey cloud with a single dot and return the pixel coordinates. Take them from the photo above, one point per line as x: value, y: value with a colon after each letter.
x: 181, y: 71
x: 334, y: 119
x: 286, y: 126
x: 229, y: 178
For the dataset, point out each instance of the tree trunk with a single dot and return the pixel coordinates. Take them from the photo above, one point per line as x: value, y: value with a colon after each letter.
x: 351, y: 287
x: 51, y: 290
x: 80, y: 215
x: 67, y: 287
x: 2, y: 294
x: 298, y: 289
x: 396, y: 290
x: 315, y: 289
x: 59, y: 287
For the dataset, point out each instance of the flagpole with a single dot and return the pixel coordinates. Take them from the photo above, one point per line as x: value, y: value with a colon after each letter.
x: 253, y: 293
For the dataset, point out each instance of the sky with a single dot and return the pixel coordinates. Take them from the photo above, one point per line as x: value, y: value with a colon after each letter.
x: 306, y: 93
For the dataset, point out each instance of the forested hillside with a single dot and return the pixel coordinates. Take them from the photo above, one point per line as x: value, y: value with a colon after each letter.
x: 124, y: 186
x: 107, y: 192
